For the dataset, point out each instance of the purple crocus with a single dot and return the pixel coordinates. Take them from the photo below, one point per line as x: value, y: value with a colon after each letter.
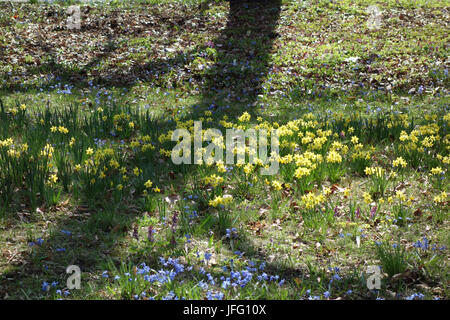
x: 150, y: 234
x: 336, y: 211
x: 373, y: 211
x: 358, y: 213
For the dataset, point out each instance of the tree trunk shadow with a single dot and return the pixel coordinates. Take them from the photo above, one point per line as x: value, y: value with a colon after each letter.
x: 244, y: 49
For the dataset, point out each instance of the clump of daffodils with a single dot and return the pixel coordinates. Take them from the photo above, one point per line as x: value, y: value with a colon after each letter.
x: 302, y: 172
x: 6, y: 143
x: 277, y: 185
x: 137, y: 171
x: 441, y: 197
x: 400, y: 195
x: 213, y: 180
x: 399, y: 162
x: 217, y: 201
x: 60, y: 129
x: 334, y: 157
x: 245, y: 117
x: 221, y: 166
x: 436, y: 171
x: 310, y: 200
x: 47, y: 151
x: 377, y: 171
x: 367, y: 197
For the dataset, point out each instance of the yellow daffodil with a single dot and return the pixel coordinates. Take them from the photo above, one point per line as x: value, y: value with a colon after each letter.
x: 148, y: 184
x: 399, y: 162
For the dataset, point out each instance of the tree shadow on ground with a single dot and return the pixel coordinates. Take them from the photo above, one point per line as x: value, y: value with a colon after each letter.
x: 243, y: 59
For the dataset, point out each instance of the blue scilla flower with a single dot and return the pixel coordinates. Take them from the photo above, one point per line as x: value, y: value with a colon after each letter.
x: 66, y: 232
x: 263, y: 276
x: 235, y: 275
x: 209, y: 295
x: 425, y: 243
x: 250, y: 269
x: 274, y: 278
x: 202, y: 284
x: 337, y: 277
x: 238, y: 253
x: 45, y: 286
x: 246, y: 278
x: 219, y: 296
x: 143, y: 270
x: 417, y: 244
x: 210, y: 279
x: 415, y: 296
x: 226, y: 283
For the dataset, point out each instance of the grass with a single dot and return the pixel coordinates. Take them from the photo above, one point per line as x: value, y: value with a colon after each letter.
x: 392, y: 258
x: 85, y: 151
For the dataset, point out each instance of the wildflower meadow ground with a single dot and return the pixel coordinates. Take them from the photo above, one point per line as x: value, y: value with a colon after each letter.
x: 357, y: 209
